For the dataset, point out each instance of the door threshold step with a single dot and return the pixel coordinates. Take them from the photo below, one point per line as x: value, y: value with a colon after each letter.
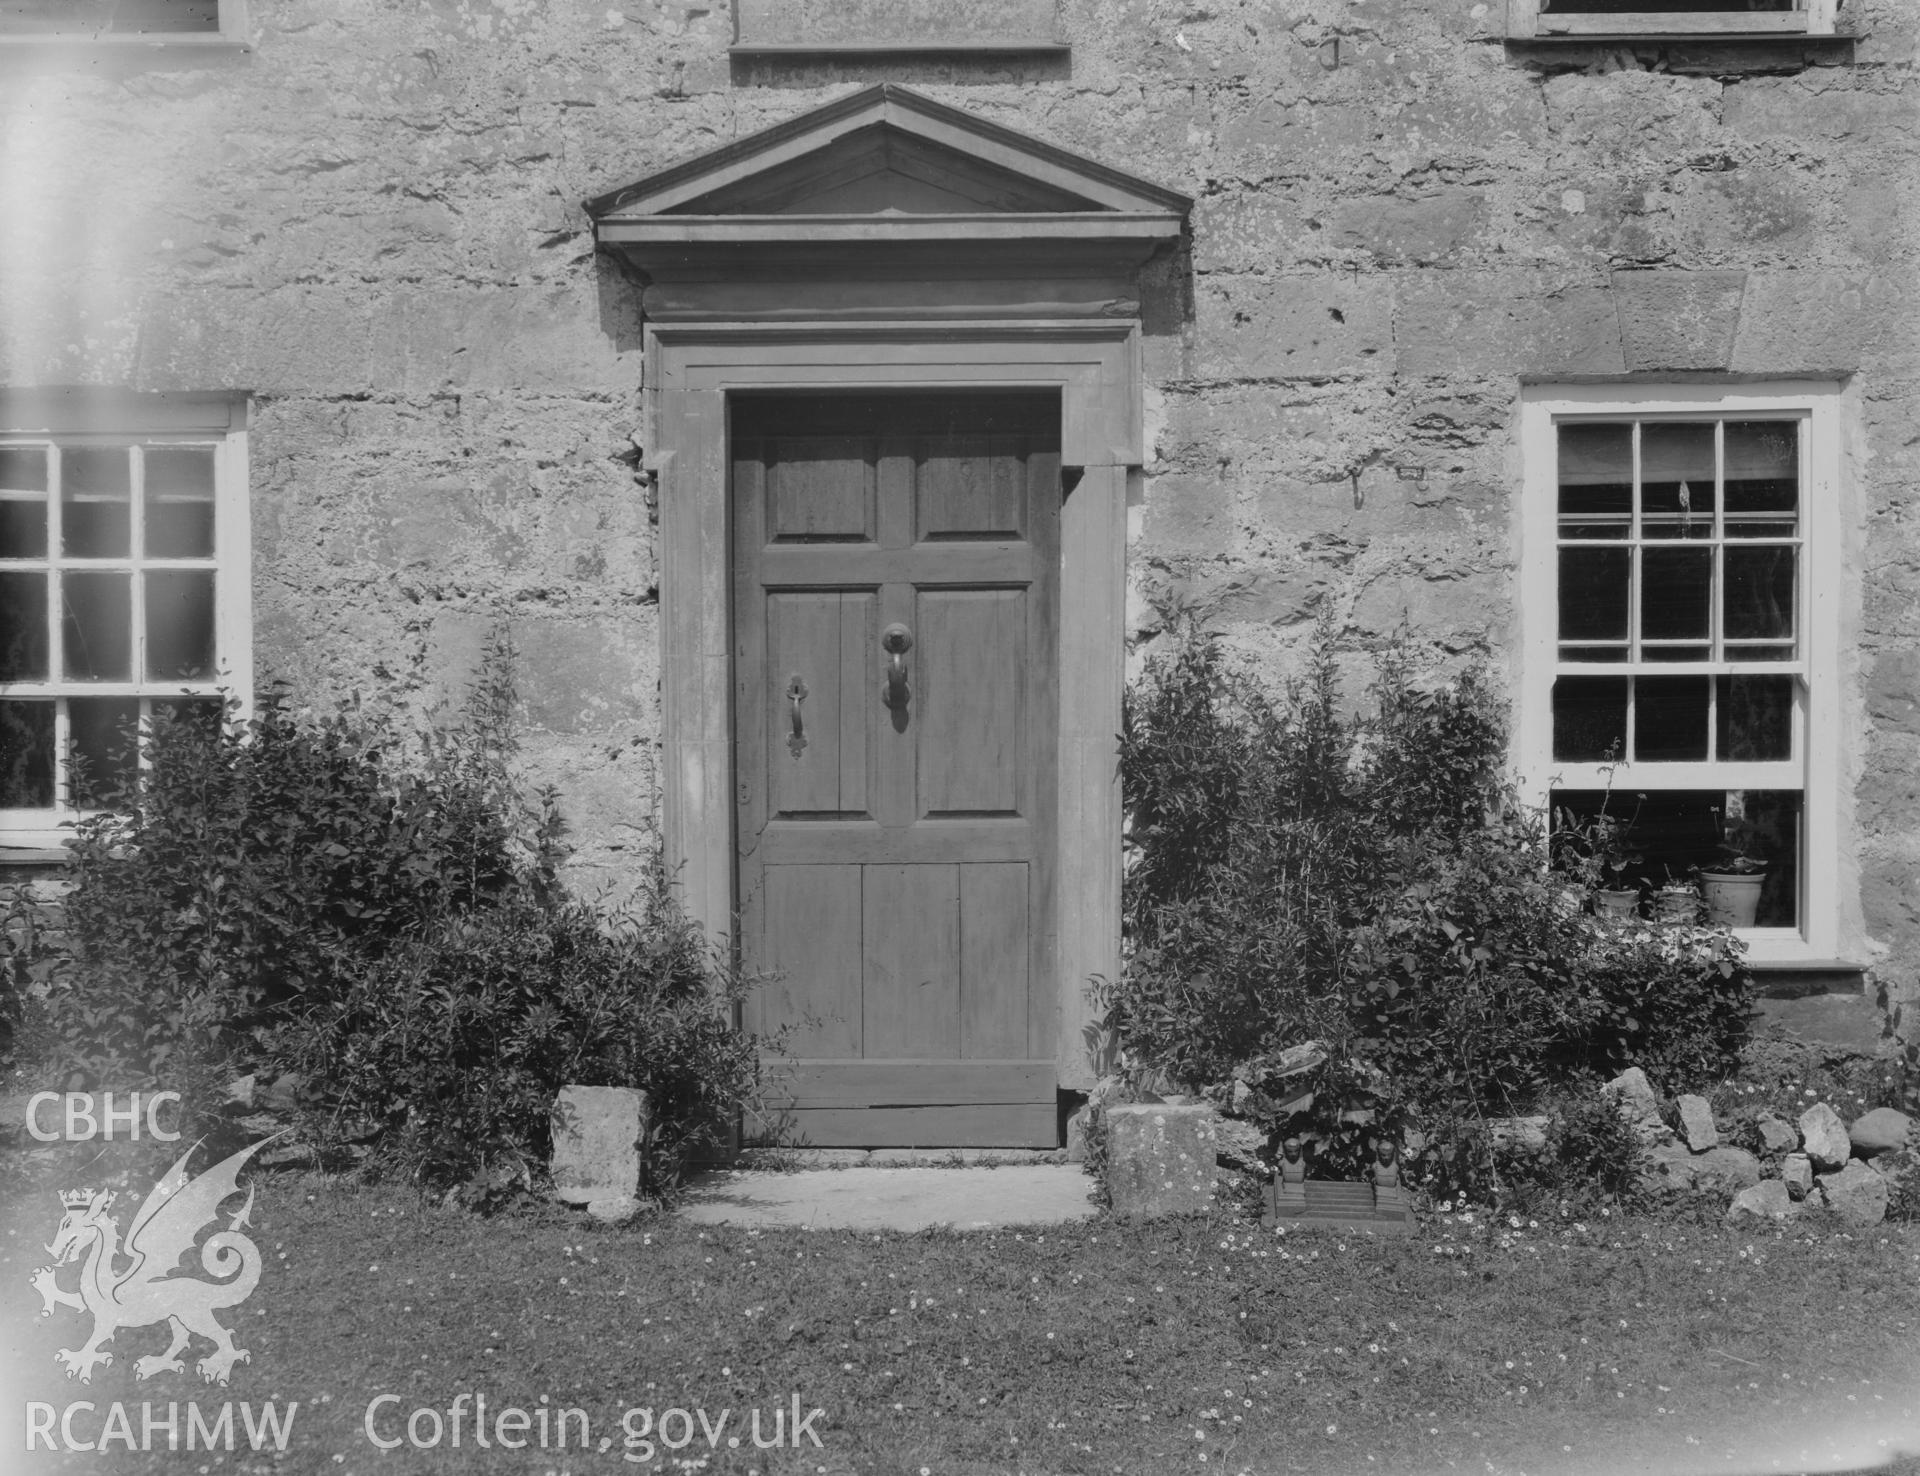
x: 796, y: 1159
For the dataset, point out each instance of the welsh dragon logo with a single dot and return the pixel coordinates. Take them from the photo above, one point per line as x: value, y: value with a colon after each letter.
x: 144, y: 1291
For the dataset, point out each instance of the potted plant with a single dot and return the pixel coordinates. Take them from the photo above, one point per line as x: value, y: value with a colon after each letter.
x: 1597, y: 851
x: 1677, y: 901
x: 1731, y: 885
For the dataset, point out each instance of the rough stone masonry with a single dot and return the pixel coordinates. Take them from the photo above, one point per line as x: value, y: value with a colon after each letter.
x: 370, y: 221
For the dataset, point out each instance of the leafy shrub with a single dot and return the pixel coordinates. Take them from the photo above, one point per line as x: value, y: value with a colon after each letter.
x: 448, y: 1049
x: 1372, y: 883
x: 1593, y: 1157
x: 380, y: 917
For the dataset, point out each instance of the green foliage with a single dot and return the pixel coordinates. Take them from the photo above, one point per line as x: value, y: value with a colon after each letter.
x: 1593, y: 1157
x: 447, y: 1050
x: 378, y: 917
x: 1371, y: 882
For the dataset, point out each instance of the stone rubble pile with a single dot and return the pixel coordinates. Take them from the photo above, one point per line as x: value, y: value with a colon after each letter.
x: 1818, y: 1163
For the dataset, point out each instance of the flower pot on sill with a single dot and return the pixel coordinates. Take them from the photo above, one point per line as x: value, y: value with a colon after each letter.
x: 1733, y: 897
x: 1608, y: 902
x: 1678, y: 905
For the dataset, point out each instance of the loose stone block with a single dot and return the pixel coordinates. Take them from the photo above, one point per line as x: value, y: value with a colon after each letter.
x: 1696, y: 1118
x: 1769, y: 1200
x: 1727, y: 1168
x: 1796, y: 1172
x: 597, y: 1136
x: 1825, y: 1136
x: 1883, y: 1130
x: 1779, y: 1135
x: 1160, y: 1159
x: 1633, y: 1094
x: 1857, y: 1194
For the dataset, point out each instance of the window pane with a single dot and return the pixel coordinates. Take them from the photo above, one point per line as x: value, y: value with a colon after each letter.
x: 179, y: 502
x: 1674, y: 585
x: 87, y: 17
x: 1593, y: 594
x: 1754, y: 718
x: 23, y: 627
x: 1589, y: 718
x: 1596, y: 480
x: 1763, y: 478
x: 23, y: 502
x: 1670, y: 718
x: 1676, y: 480
x: 102, y: 737
x: 97, y: 626
x: 26, y: 755
x: 95, y: 502
x: 202, y: 713
x: 1677, y: 834
x: 179, y: 623
x: 1759, y: 592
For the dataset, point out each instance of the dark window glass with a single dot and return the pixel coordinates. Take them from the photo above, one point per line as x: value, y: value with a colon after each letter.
x: 97, y: 627
x: 102, y: 736
x: 1670, y: 718
x: 179, y: 502
x: 1759, y: 592
x: 1676, y: 480
x: 23, y: 627
x: 1674, y: 589
x: 1655, y: 7
x: 1763, y: 478
x: 23, y: 502
x: 1754, y: 718
x: 95, y: 502
x: 179, y: 623
x: 1589, y: 718
x: 1596, y: 480
x: 26, y: 755
x: 1593, y: 594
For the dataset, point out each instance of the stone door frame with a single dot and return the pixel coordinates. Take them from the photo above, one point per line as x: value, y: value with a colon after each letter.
x: 1095, y: 367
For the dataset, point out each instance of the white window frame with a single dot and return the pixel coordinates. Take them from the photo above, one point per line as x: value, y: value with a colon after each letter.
x: 1527, y: 22
x: 1815, y: 769
x: 233, y: 33
x: 93, y: 419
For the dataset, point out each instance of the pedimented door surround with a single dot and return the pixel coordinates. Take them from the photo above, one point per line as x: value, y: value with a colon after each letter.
x: 887, y: 242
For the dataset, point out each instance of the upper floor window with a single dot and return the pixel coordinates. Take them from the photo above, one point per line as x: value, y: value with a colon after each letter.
x: 147, y: 21
x: 1537, y: 19
x: 124, y: 589
x: 1680, y: 588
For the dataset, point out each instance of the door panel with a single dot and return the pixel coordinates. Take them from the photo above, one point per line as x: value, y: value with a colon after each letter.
x: 971, y: 739
x: 819, y: 639
x: 895, y: 850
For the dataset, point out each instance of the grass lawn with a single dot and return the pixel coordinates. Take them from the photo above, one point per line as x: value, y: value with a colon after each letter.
x: 1176, y: 1347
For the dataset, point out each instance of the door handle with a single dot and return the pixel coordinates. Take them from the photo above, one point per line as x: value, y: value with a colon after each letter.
x: 796, y: 694
x: 896, y: 640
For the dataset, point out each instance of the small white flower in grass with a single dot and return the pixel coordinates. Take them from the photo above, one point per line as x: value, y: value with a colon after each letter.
x: 1333, y: 1429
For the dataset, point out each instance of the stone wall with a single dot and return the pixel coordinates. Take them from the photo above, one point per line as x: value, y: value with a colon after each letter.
x: 371, y: 221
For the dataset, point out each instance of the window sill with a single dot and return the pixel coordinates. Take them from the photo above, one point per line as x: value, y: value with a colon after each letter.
x: 72, y: 41
x: 899, y: 48
x: 1787, y: 948
x: 31, y: 853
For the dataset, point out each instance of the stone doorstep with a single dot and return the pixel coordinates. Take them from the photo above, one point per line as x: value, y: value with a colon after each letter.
x: 776, y: 1160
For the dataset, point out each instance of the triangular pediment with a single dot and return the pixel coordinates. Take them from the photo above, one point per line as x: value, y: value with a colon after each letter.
x: 885, y: 151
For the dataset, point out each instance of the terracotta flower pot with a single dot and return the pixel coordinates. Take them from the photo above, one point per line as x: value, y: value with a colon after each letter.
x: 1733, y: 897
x: 1610, y: 903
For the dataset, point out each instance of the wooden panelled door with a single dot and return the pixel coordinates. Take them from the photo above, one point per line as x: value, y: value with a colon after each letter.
x: 895, y: 583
